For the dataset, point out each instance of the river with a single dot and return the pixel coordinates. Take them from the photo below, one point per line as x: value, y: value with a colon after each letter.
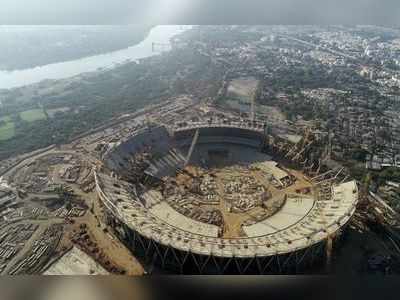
x: 160, y: 34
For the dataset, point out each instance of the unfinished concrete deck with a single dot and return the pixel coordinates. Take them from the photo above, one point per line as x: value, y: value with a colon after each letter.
x: 75, y: 262
x: 166, y: 213
x: 302, y: 222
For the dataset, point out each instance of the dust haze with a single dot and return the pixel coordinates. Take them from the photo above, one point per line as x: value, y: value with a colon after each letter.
x: 294, y: 12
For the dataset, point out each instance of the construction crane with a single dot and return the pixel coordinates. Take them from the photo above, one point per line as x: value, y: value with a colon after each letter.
x: 337, y: 174
x: 291, y: 151
x: 194, y: 141
x: 319, y: 167
x: 307, y: 135
x: 309, y: 168
x: 321, y: 175
x: 253, y: 104
x: 298, y: 155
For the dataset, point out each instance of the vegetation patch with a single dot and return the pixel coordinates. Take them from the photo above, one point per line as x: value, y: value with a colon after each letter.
x: 5, y: 119
x: 391, y: 174
x: 7, y: 130
x: 33, y: 115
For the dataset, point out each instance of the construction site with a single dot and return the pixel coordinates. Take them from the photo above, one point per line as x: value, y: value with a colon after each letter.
x: 221, y: 196
x: 212, y: 193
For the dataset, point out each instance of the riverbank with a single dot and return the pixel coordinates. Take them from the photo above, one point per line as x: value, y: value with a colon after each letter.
x: 44, y: 45
x: 75, y: 105
x: 160, y: 35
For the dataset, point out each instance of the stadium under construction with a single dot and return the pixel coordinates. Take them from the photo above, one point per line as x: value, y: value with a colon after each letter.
x: 223, y: 197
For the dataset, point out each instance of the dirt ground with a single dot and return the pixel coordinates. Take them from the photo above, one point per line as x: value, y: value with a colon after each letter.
x: 115, y: 252
x: 243, y: 87
x: 233, y: 221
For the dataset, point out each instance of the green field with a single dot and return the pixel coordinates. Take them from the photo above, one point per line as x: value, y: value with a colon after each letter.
x: 33, y: 115
x: 6, y: 119
x: 7, y: 131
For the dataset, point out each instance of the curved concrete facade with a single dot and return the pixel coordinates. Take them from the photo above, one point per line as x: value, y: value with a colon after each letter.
x: 289, y: 241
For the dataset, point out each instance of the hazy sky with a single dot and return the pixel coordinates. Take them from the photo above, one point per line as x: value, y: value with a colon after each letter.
x: 380, y: 12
